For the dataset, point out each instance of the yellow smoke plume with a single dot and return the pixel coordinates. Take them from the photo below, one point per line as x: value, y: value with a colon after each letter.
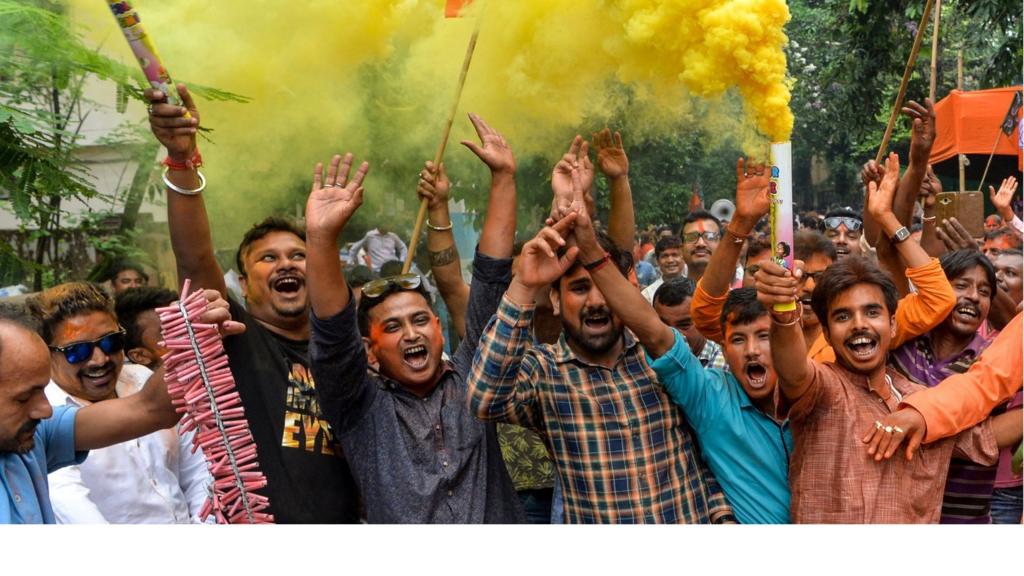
x: 377, y: 76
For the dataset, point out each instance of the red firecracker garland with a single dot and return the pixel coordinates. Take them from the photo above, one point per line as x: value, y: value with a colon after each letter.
x: 202, y: 388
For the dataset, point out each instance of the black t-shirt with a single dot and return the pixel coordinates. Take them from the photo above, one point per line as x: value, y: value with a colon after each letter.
x: 308, y: 480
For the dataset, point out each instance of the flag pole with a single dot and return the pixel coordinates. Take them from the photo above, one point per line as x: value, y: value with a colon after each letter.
x: 439, y: 155
x: 935, y: 51
x: 906, y: 79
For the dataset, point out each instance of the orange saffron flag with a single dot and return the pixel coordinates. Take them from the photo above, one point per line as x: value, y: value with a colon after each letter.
x: 453, y: 7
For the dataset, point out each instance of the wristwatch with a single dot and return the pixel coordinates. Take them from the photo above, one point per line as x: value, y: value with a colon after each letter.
x: 901, y: 235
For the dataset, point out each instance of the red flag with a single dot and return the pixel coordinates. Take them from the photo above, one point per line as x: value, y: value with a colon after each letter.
x: 453, y: 7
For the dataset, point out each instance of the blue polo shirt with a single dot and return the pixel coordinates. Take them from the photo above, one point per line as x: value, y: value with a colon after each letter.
x: 747, y: 450
x: 27, y: 498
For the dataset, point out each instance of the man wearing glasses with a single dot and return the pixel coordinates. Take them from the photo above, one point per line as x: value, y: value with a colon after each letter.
x: 701, y: 233
x: 844, y: 227
x: 155, y: 479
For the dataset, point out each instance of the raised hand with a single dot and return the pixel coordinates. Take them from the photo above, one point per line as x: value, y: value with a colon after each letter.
x: 176, y: 132
x: 493, y: 149
x: 922, y: 134
x: 871, y: 172
x: 611, y: 156
x: 539, y: 263
x: 753, y: 201
x: 578, y: 156
x: 777, y: 285
x: 434, y: 186
x: 881, y: 195
x: 1001, y: 199
x: 334, y: 198
x: 931, y: 187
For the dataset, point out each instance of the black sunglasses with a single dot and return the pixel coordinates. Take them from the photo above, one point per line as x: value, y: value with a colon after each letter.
x: 82, y: 351
x: 379, y: 287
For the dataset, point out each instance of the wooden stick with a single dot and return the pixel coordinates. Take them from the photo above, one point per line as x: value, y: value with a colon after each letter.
x: 421, y: 217
x: 906, y: 78
x: 935, y: 50
x: 960, y: 86
x: 999, y: 136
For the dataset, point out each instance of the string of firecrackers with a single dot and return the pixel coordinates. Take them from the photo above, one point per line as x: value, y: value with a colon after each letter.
x: 202, y: 388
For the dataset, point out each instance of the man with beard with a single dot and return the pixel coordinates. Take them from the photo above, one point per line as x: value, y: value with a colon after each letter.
x: 830, y: 403
x: 669, y: 254
x: 700, y: 234
x: 36, y: 438
x: 731, y: 412
x: 155, y: 479
x: 620, y: 447
x: 950, y: 349
x: 308, y: 480
x: 417, y: 453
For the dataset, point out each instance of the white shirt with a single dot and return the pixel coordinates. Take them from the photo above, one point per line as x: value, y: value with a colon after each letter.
x: 155, y: 479
x: 380, y: 247
x: 650, y: 290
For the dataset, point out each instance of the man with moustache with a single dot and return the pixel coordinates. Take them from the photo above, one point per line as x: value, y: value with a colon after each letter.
x: 700, y: 234
x: 732, y: 412
x: 950, y: 349
x: 621, y: 448
x: 308, y: 480
x: 830, y: 403
x: 154, y: 479
x: 37, y: 438
x: 844, y: 227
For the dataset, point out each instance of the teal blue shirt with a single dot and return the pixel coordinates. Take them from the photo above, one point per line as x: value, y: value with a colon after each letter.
x: 747, y: 450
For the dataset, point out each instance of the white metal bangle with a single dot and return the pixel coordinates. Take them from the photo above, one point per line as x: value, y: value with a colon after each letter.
x: 184, y: 191
x: 439, y: 228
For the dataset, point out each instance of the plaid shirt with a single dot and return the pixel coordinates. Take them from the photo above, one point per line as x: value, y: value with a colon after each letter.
x: 711, y: 356
x: 621, y: 447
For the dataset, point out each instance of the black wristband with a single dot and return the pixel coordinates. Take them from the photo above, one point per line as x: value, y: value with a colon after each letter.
x: 596, y: 263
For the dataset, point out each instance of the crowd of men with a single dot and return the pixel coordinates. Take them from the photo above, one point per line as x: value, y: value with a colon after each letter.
x: 601, y: 376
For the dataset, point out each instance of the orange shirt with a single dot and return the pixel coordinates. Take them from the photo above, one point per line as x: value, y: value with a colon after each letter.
x: 706, y: 313
x: 963, y: 400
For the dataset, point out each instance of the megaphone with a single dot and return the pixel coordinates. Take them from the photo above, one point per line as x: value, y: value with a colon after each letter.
x: 723, y: 209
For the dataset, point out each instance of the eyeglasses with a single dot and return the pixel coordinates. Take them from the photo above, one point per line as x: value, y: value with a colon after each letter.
x: 852, y: 224
x: 708, y: 236
x: 381, y: 286
x: 82, y: 351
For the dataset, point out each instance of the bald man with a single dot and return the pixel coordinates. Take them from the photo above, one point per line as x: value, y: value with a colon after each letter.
x: 36, y: 439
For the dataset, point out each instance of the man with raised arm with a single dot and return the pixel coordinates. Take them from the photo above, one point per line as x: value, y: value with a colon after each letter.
x: 308, y: 480
x: 621, y: 448
x: 417, y: 453
x: 833, y: 479
x: 732, y: 412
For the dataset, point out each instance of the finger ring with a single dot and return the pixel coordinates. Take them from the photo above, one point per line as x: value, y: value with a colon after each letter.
x: 897, y: 429
x: 888, y: 429
x: 878, y: 425
x: 149, y: 110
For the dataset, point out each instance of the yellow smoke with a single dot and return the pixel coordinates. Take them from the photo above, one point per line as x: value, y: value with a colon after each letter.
x: 377, y: 76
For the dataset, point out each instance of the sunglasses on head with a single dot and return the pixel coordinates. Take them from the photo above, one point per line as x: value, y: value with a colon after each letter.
x: 852, y: 224
x: 691, y: 237
x: 381, y: 286
x: 82, y: 351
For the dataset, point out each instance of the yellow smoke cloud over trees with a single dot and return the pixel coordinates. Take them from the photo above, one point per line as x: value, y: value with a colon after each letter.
x: 377, y: 76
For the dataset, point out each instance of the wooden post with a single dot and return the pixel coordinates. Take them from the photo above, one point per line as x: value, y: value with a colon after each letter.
x: 439, y: 155
x: 960, y: 87
x: 935, y: 50
x: 906, y: 78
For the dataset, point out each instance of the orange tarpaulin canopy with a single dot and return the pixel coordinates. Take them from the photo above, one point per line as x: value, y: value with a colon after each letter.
x: 968, y: 123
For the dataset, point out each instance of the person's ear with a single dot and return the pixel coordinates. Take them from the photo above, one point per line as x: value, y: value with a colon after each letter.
x: 243, y: 283
x: 140, y: 356
x: 892, y: 327
x: 370, y: 356
x: 556, y: 301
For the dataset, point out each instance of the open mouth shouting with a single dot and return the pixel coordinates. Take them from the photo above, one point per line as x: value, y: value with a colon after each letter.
x: 416, y: 357
x: 287, y: 285
x: 757, y: 374
x: 597, y: 322
x: 967, y: 312
x: 862, y: 346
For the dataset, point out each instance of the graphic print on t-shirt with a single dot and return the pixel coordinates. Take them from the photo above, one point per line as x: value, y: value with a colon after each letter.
x: 303, y: 427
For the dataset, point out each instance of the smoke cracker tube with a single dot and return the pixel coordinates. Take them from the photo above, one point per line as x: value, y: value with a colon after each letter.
x: 781, y: 195
x: 145, y: 52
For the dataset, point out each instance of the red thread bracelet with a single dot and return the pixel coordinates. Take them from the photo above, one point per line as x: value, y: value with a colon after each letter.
x: 192, y: 163
x: 597, y: 264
